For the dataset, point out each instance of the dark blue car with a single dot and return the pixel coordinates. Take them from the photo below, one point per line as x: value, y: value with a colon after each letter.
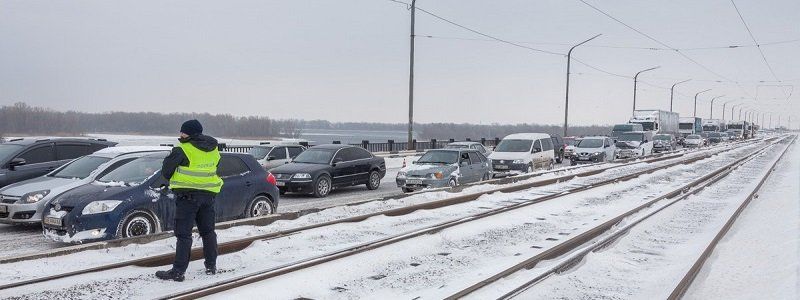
x: 133, y: 200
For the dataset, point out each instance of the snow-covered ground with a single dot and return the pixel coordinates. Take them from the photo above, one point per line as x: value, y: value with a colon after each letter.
x: 759, y: 258
x: 502, y: 237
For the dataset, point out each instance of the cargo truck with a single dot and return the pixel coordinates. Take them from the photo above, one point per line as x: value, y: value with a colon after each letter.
x: 714, y: 125
x: 657, y: 121
x: 690, y: 125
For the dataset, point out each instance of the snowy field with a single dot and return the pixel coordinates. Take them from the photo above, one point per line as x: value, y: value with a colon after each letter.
x: 429, y: 267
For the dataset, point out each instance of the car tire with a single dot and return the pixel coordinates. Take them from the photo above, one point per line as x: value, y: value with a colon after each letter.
x: 560, y: 158
x: 259, y: 207
x: 486, y: 177
x: 551, y: 166
x: 406, y: 190
x: 452, y: 183
x: 530, y: 168
x: 136, y: 223
x: 374, y: 180
x: 322, y: 186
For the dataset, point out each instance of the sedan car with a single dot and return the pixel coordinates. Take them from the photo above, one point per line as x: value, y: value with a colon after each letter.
x: 24, y: 202
x: 443, y: 168
x: 320, y: 169
x: 693, y: 141
x: 270, y: 156
x: 469, y: 145
x: 134, y: 200
x: 593, y: 150
x: 664, y: 142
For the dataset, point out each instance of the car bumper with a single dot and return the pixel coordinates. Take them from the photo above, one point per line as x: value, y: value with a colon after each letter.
x: 421, y: 183
x: 627, y: 153
x: 296, y: 186
x: 586, y: 159
x: 77, y: 230
x: 21, y: 213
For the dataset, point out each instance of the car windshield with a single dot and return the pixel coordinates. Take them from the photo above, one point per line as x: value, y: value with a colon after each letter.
x: 623, y: 127
x: 662, y: 137
x: 590, y: 143
x: 693, y: 137
x: 315, y: 156
x: 635, y: 137
x: 80, y: 168
x: 7, y: 150
x: 685, y: 126
x: 570, y: 142
x: 457, y: 146
x: 714, y: 134
x: 514, y: 146
x: 439, y: 157
x: 134, y: 172
x: 259, y: 152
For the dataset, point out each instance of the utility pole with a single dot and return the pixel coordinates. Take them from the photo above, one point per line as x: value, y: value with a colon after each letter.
x: 712, y: 105
x: 635, y: 81
x: 672, y: 93
x: 566, y: 98
x: 695, y: 101
x: 411, y: 145
x: 723, y: 108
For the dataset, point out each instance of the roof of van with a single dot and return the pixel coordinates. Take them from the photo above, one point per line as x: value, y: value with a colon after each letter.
x: 527, y: 136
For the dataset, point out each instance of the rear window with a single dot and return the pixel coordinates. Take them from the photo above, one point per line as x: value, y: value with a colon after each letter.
x: 231, y: 166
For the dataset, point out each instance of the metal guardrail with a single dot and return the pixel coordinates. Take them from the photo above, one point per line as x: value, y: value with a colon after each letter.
x: 389, y: 146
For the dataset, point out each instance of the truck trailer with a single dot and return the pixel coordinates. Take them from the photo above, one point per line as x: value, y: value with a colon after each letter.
x: 714, y: 125
x: 657, y: 121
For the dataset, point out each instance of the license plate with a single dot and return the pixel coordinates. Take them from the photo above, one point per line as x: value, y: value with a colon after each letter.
x: 279, y: 183
x: 413, y: 181
x: 3, y: 209
x: 52, y: 221
x: 583, y: 158
x: 501, y: 167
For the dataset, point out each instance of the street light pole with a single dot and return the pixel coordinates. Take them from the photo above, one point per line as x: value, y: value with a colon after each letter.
x: 672, y: 93
x: 635, y: 81
x: 695, y: 101
x: 566, y: 97
x: 712, y: 105
x: 723, y: 108
x: 410, y: 144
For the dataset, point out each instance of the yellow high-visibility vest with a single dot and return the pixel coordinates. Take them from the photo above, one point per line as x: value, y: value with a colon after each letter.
x: 201, y: 174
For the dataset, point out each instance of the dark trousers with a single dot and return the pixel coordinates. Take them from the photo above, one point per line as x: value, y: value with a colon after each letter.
x: 191, y: 207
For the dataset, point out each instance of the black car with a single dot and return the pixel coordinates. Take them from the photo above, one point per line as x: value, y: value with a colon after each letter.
x: 22, y: 159
x: 133, y: 200
x: 322, y: 168
x: 558, y: 147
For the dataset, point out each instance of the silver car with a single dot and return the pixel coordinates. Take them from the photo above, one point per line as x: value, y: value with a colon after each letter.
x: 274, y: 155
x: 593, y: 150
x: 443, y: 168
x: 23, y: 202
x: 469, y: 145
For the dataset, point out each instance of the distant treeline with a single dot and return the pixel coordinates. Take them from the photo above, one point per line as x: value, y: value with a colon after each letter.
x: 24, y: 119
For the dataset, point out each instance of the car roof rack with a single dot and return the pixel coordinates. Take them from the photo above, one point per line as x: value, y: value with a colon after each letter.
x: 42, y: 140
x: 16, y: 139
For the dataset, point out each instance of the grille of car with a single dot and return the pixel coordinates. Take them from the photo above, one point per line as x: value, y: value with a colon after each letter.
x: 282, y: 176
x: 8, y: 199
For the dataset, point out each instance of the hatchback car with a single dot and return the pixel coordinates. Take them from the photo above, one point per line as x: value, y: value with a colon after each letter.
x: 320, y: 169
x: 694, y: 141
x: 24, y: 202
x: 443, y: 168
x: 134, y: 200
x: 593, y: 150
x: 274, y: 155
x: 22, y: 159
x: 634, y: 144
x: 664, y: 142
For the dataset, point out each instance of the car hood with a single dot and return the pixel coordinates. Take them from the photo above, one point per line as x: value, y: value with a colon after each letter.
x: 693, y: 141
x: 424, y: 169
x: 628, y: 144
x: 89, y: 192
x: 509, y: 155
x: 589, y: 150
x: 299, y: 168
x: 36, y: 184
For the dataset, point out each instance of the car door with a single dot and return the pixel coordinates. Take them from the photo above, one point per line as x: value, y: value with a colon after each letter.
x: 476, y: 166
x: 39, y: 160
x: 363, y: 164
x: 275, y: 158
x: 344, y: 168
x: 237, y: 189
x: 610, y: 149
x: 536, y: 154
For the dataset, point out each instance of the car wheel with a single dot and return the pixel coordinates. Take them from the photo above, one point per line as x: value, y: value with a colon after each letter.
x: 453, y: 182
x: 136, y: 223
x: 560, y: 158
x: 374, y: 180
x: 259, y: 207
x: 486, y: 177
x: 530, y: 168
x: 322, y: 186
x: 406, y: 190
x: 551, y: 166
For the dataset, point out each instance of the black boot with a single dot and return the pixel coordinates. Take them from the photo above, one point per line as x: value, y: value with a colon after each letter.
x: 172, y: 274
x: 211, y: 270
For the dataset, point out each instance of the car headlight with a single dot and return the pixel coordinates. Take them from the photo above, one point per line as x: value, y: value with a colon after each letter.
x: 518, y: 161
x: 437, y: 175
x: 34, y: 197
x: 596, y: 153
x: 101, y: 206
x: 401, y: 174
x: 302, y: 176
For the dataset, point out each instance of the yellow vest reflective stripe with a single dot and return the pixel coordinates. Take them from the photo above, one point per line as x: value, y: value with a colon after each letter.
x: 201, y: 174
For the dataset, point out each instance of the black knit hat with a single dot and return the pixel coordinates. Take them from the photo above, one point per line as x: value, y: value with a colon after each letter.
x: 192, y: 127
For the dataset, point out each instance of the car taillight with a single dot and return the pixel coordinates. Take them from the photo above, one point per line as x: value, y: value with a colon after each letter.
x: 271, y: 179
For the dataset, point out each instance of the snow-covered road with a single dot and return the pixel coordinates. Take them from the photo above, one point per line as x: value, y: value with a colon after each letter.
x: 420, y: 266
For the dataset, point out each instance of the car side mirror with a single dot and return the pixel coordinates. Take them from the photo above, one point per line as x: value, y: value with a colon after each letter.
x: 536, y: 150
x: 16, y: 162
x: 645, y: 141
x: 270, y: 158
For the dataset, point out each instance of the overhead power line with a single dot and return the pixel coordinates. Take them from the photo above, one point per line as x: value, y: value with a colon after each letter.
x: 760, y: 51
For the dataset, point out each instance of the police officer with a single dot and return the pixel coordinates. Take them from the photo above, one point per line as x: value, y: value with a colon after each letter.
x: 191, y: 169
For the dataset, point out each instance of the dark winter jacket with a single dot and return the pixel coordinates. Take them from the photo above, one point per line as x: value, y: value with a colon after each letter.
x: 178, y: 158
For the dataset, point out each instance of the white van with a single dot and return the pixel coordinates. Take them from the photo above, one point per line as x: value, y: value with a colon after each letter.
x: 523, y: 153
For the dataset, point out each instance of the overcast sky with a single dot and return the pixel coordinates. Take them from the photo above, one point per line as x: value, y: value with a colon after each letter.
x: 347, y: 60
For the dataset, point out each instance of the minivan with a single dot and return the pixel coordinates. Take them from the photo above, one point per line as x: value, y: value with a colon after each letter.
x: 523, y: 153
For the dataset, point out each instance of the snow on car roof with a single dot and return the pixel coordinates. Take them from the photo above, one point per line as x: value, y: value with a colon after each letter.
x: 116, y: 151
x: 527, y: 136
